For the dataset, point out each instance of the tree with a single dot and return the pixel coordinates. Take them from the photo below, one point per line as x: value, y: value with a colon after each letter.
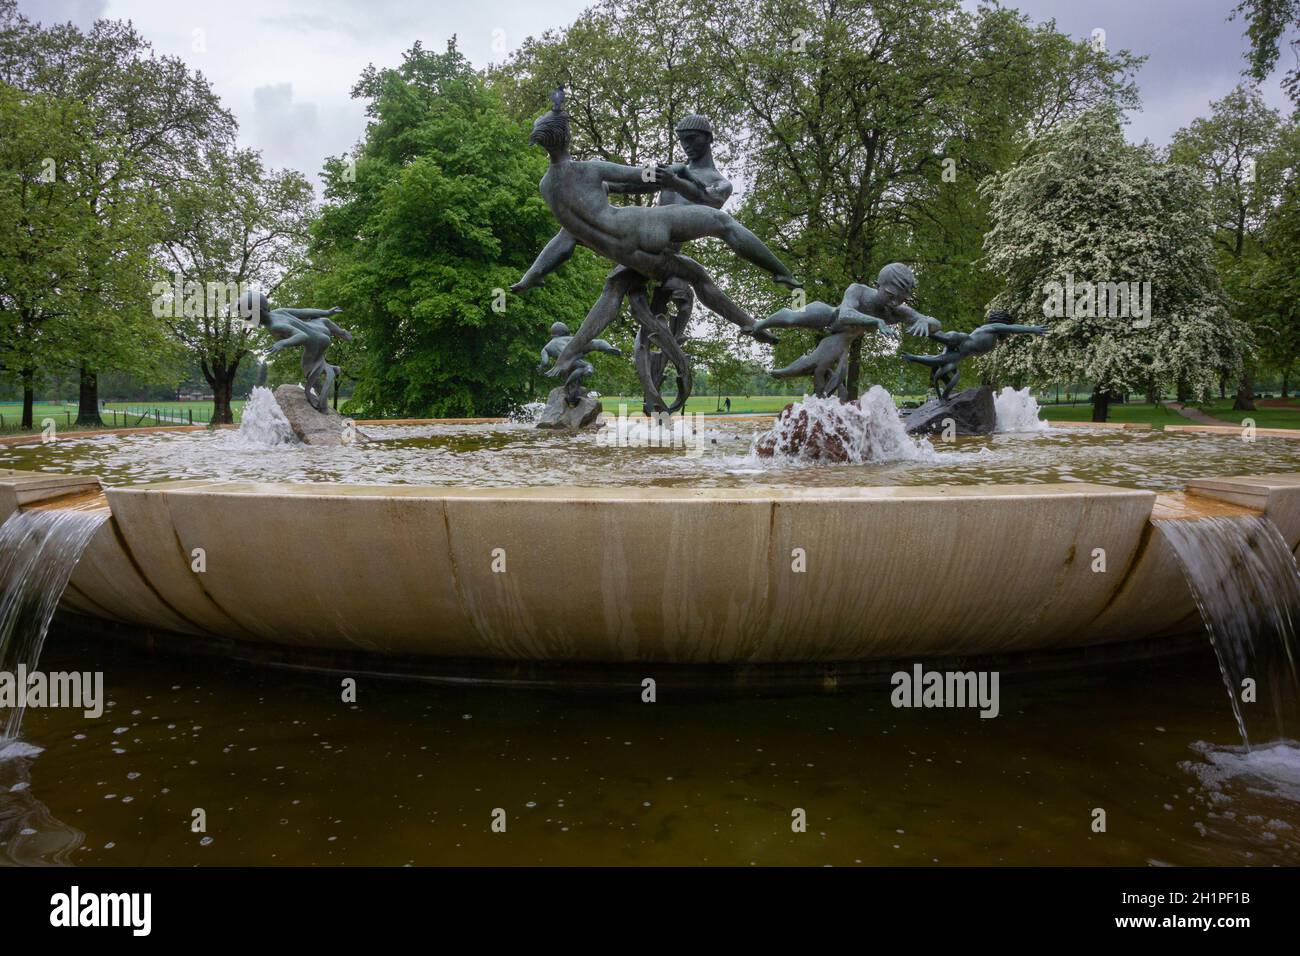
x: 1275, y: 283
x: 1227, y: 152
x: 423, y: 231
x: 1267, y: 23
x: 42, y: 140
x: 1082, y: 216
x: 157, y: 115
x: 234, y: 227
x: 848, y: 109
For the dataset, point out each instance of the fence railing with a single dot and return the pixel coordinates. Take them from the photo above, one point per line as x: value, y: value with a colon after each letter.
x: 121, y: 416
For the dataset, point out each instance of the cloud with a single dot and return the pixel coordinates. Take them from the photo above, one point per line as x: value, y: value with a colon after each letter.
x: 81, y: 12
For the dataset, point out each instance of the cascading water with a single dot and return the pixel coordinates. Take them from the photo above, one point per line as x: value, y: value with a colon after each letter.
x: 1018, y: 411
x: 38, y: 550
x: 1245, y: 582
x: 262, y: 423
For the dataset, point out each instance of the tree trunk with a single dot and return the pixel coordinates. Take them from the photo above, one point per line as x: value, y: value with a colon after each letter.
x: 1153, y: 395
x: 88, y: 398
x: 1286, y: 381
x: 222, y: 389
x: 1245, y: 394
x: 855, y: 369
x: 1100, y: 405
x: 29, y: 397
x: 1184, y: 392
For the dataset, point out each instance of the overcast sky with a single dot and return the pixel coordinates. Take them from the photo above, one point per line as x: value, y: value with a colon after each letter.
x: 285, y: 67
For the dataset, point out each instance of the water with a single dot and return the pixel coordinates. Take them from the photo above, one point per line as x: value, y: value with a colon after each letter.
x: 1246, y: 584
x: 512, y: 455
x: 868, y: 431
x: 38, y: 550
x: 411, y: 773
x: 1018, y: 411
x: 262, y: 423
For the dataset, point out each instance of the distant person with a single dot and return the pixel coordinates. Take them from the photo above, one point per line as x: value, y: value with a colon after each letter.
x: 727, y: 404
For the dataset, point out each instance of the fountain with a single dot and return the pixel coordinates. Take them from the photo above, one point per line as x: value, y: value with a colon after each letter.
x: 1247, y: 587
x: 38, y: 551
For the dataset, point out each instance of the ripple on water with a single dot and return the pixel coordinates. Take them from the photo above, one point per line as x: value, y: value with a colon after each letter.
x: 718, y: 455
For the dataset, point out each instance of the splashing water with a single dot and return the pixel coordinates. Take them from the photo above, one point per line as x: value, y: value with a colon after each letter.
x: 528, y: 413
x: 868, y: 430
x: 1246, y: 584
x: 38, y: 550
x: 1018, y: 411
x: 262, y: 423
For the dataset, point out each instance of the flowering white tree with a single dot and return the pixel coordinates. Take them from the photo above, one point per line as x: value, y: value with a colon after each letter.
x: 1111, y: 249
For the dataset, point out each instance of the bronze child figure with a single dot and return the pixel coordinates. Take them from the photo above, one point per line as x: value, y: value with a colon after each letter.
x: 313, y: 329
x: 582, y: 369
x: 944, y: 370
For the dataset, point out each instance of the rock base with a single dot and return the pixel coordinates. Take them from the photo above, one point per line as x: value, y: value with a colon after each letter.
x: 311, y: 426
x: 972, y: 413
x: 798, y: 434
x: 558, y: 413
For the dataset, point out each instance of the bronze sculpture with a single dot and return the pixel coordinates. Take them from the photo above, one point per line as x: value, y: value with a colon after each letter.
x: 860, y: 309
x: 643, y: 240
x: 944, y: 367
x: 582, y: 369
x: 312, y: 329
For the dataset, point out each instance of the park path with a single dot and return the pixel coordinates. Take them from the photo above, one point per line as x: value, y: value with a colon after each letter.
x: 1195, y: 414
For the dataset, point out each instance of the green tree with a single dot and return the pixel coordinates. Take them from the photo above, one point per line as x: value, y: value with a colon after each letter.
x: 157, y: 116
x: 1086, y: 207
x: 235, y: 226
x: 422, y: 232
x: 1267, y: 24
x: 1228, y: 152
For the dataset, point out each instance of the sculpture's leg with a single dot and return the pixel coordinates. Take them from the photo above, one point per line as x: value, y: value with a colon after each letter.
x: 836, y: 379
x: 952, y: 382
x: 686, y: 222
x: 707, y: 291
x: 639, y: 303
x: 601, y: 315
x: 651, y: 364
x: 805, y: 365
x: 816, y: 315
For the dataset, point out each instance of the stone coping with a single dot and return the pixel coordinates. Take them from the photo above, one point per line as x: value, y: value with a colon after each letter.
x: 743, y: 494
x: 1235, y: 430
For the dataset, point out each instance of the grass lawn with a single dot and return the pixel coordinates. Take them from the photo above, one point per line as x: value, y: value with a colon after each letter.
x: 127, y: 414
x: 1155, y: 415
x: 708, y: 404
x: 1264, y: 416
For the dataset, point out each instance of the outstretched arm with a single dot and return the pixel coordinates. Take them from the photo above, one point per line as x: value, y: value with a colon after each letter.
x: 546, y: 358
x: 554, y: 255
x: 311, y: 313
x: 1025, y: 329
x: 298, y: 338
x: 920, y: 324
x: 847, y: 317
x: 618, y: 174
x: 337, y: 332
x: 600, y: 345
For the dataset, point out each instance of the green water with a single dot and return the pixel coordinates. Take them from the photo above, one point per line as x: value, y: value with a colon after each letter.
x: 411, y: 773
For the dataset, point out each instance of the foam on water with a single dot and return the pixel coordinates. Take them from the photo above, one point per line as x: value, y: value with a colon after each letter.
x: 528, y: 413
x: 1018, y: 411
x: 870, y: 429
x: 1271, y: 771
x: 262, y: 423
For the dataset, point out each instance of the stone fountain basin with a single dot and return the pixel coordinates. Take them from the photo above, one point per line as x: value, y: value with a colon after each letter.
x: 700, y: 576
